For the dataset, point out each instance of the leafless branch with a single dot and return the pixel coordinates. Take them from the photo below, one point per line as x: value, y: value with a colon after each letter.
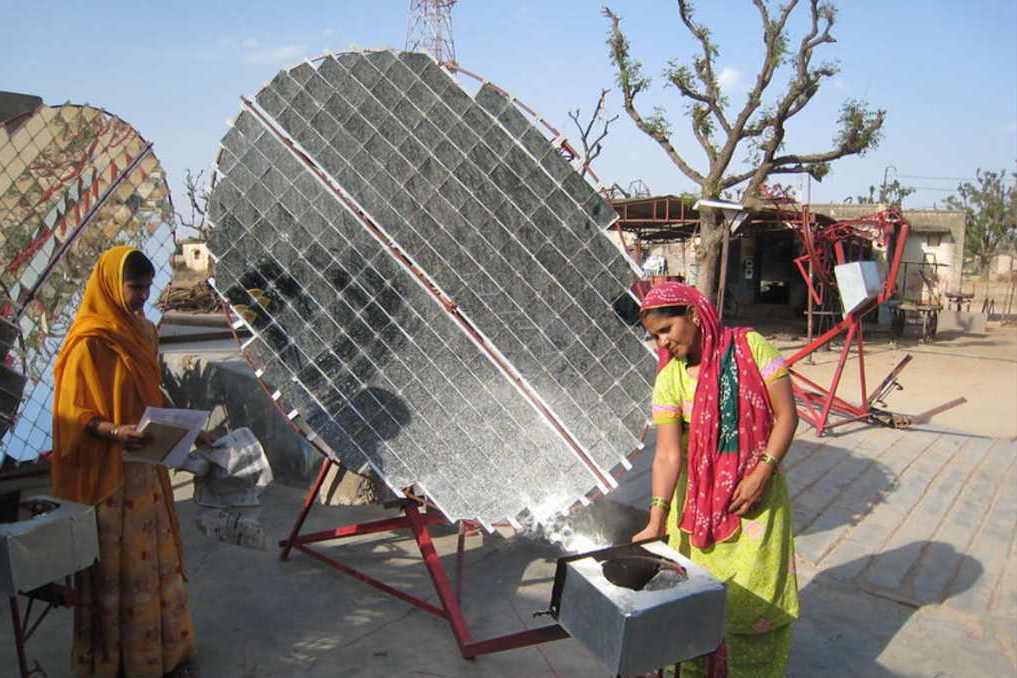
x: 860, y: 128
x: 592, y: 148
x: 197, y: 199
x: 775, y: 45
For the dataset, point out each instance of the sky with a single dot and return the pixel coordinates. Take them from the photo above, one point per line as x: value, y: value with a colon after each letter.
x: 945, y: 72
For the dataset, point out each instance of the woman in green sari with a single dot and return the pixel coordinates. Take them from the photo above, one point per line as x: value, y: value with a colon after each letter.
x: 725, y: 417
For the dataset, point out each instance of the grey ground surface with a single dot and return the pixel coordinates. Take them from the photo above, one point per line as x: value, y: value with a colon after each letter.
x: 907, y: 567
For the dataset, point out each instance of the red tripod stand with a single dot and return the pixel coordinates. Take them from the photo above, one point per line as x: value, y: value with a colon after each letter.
x: 417, y: 522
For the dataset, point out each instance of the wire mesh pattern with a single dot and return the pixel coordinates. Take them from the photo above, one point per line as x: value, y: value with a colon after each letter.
x: 74, y: 181
x: 351, y: 192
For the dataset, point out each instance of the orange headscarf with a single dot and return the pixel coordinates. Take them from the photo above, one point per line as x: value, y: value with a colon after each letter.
x: 108, y: 368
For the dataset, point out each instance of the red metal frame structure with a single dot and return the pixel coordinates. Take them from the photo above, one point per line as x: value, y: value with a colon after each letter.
x: 825, y: 244
x: 654, y: 220
x: 53, y: 595
x: 417, y: 522
x: 825, y: 247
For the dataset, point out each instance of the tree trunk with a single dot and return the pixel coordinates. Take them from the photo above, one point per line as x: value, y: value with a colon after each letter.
x: 707, y: 280
x: 711, y: 231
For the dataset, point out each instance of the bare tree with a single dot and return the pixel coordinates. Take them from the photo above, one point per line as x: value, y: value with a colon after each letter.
x: 196, y: 190
x: 592, y: 146
x: 758, y: 130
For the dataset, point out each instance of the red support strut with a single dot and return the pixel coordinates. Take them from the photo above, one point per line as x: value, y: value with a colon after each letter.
x: 418, y: 523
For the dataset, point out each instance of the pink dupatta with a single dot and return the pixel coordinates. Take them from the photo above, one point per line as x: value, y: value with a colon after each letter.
x: 731, y: 417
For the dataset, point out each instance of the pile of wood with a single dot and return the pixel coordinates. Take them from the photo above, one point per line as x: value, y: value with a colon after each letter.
x: 196, y: 298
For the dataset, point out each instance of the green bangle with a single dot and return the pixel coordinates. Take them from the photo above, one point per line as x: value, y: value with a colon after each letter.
x: 660, y: 502
x: 767, y: 459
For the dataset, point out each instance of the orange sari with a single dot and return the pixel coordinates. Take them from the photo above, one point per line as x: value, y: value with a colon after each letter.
x: 134, y: 621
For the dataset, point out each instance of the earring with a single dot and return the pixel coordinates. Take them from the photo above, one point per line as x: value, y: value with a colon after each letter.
x: 695, y: 319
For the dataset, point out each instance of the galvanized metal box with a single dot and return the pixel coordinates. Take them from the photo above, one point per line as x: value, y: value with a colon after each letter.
x: 634, y: 631
x: 48, y: 547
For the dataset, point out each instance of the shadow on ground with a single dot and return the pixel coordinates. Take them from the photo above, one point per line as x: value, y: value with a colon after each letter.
x: 302, y: 618
x: 832, y: 485
x: 845, y: 632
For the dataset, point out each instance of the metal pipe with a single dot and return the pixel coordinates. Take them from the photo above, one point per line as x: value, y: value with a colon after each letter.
x: 19, y: 636
x: 544, y: 634
x: 812, y: 356
x: 453, y: 613
x: 312, y: 493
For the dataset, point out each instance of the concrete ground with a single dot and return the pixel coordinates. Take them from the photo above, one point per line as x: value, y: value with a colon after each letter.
x: 907, y: 567
x: 907, y: 545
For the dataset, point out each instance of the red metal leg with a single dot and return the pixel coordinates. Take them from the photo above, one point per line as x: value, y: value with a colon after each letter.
x: 807, y: 408
x: 840, y: 404
x: 836, y: 382
x: 358, y: 529
x: 460, y: 547
x: 861, y: 363
x: 312, y: 496
x: 544, y: 634
x: 450, y: 610
x: 438, y: 577
x: 19, y: 636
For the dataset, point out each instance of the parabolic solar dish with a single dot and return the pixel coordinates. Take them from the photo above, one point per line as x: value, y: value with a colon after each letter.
x: 429, y: 285
x: 74, y: 181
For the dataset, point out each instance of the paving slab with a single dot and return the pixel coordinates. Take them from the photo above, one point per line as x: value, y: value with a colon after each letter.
x: 922, y: 573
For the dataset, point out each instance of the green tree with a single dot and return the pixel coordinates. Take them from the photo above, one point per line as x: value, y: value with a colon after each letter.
x: 892, y: 193
x: 744, y: 146
x: 991, y: 208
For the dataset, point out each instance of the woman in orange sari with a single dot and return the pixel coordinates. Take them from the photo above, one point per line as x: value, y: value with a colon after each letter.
x: 133, y: 621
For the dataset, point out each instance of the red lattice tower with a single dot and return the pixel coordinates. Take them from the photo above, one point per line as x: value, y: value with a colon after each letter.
x: 430, y: 29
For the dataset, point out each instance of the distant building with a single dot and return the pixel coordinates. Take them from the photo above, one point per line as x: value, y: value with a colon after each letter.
x: 1003, y: 265
x: 937, y: 238
x: 761, y: 273
x: 193, y: 256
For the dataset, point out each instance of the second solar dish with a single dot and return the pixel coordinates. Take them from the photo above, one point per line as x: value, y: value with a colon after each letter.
x: 74, y: 181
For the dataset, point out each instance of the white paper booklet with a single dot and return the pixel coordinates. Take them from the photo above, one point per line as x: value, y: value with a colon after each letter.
x: 189, y: 422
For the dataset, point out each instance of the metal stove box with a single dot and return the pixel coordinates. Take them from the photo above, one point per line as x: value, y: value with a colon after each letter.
x: 47, y: 547
x: 637, y: 631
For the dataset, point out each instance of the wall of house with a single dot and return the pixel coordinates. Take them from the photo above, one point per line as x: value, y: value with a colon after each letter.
x: 1003, y: 265
x: 195, y: 256
x: 948, y: 228
x: 680, y: 257
x: 933, y: 248
x: 946, y: 225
